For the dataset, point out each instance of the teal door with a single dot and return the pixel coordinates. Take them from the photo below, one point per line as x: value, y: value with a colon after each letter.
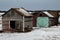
x: 42, y: 22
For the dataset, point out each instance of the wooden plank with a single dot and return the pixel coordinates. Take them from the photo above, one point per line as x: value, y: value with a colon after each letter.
x: 23, y: 23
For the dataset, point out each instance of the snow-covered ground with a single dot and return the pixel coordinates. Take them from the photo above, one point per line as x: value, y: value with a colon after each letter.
x: 37, y: 34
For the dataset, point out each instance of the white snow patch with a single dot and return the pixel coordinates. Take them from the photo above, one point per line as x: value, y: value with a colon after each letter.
x: 48, y: 14
x: 1, y: 14
x: 25, y: 12
x: 36, y: 34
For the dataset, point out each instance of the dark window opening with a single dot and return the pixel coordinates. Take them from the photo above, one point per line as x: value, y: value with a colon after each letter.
x: 12, y: 24
x: 40, y: 14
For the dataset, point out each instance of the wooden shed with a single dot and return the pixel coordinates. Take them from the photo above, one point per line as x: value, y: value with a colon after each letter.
x: 16, y: 19
x: 45, y: 18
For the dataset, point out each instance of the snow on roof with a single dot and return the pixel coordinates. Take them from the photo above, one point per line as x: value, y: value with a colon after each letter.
x: 1, y: 14
x: 30, y: 12
x: 24, y: 12
x: 47, y: 13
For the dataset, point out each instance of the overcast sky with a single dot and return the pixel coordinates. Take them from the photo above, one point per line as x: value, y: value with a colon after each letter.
x: 30, y: 4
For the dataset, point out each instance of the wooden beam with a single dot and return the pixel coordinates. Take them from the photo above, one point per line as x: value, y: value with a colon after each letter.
x: 9, y: 24
x: 23, y: 23
x: 14, y: 19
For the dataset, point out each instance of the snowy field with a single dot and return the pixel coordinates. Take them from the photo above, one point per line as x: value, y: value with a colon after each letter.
x: 37, y: 34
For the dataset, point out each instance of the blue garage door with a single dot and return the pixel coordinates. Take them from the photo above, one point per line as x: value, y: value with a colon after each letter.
x: 42, y: 22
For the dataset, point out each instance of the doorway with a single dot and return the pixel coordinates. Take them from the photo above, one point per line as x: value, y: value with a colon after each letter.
x: 12, y: 24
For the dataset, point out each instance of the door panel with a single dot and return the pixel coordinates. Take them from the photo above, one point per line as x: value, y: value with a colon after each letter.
x: 42, y: 22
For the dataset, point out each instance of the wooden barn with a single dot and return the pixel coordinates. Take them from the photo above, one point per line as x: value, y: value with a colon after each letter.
x: 45, y: 18
x: 16, y: 20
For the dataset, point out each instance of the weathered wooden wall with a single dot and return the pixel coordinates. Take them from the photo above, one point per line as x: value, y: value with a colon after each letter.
x: 52, y: 21
x: 28, y: 21
x: 56, y: 16
x: 54, y: 13
x: 11, y: 16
